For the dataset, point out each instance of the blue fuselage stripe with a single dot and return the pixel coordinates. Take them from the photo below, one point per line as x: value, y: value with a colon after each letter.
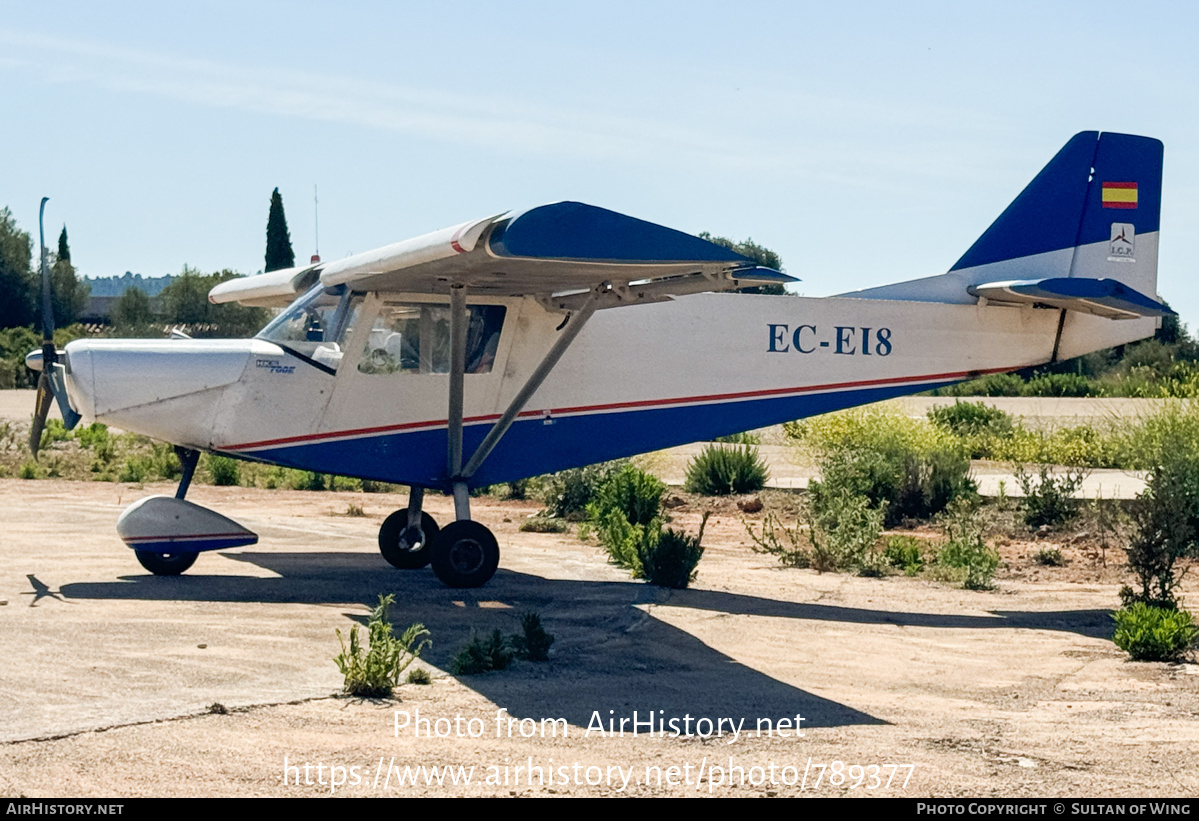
x: 534, y: 446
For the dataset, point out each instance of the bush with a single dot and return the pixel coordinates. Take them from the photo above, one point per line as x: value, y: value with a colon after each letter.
x: 1150, y: 633
x: 665, y: 558
x: 418, y: 675
x: 568, y: 492
x: 1049, y: 557
x: 975, y: 423
x: 789, y: 545
x: 916, y: 467
x: 719, y: 470
x: 630, y: 491
x: 225, y: 470
x: 971, y: 418
x: 482, y: 655
x: 843, y: 529
x: 1058, y: 384
x: 542, y: 524
x: 1050, y: 500
x: 996, y: 384
x: 739, y: 439
x: 375, y: 671
x: 965, y: 558
x: 533, y: 642
x: 904, y: 552
x: 671, y: 559
x: 94, y: 435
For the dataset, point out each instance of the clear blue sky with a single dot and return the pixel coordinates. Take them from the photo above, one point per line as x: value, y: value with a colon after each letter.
x: 865, y: 142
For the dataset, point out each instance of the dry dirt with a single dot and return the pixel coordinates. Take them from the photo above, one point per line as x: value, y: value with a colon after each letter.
x: 110, y: 676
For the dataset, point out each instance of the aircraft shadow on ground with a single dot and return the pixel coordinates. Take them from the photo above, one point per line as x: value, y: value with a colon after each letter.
x: 609, y: 654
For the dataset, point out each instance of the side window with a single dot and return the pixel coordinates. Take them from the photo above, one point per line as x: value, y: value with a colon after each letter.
x: 415, y: 338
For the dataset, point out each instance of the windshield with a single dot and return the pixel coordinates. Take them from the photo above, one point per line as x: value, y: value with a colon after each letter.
x: 315, y: 325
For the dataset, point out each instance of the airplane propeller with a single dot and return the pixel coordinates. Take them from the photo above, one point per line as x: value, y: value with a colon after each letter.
x: 50, y: 384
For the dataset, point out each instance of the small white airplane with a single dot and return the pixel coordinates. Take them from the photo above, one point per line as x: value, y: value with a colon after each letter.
x: 487, y: 352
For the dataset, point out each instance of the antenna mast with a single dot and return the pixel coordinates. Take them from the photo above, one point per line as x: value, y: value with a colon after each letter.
x: 316, y: 223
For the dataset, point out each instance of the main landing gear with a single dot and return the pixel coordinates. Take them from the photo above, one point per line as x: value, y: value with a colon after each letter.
x: 463, y: 554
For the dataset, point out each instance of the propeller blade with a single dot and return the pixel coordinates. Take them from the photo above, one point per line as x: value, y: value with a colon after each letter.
x: 47, y: 305
x: 40, y: 412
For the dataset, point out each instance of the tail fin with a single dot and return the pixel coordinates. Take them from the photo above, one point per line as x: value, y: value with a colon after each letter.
x: 1092, y: 213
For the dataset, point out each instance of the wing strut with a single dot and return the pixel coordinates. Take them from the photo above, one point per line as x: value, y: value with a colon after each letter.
x: 460, y: 474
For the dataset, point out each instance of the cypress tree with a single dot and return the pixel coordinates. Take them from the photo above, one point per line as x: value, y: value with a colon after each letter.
x: 278, y: 240
x: 68, y: 293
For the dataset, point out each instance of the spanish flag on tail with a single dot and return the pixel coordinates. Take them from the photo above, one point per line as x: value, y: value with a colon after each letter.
x: 1119, y: 195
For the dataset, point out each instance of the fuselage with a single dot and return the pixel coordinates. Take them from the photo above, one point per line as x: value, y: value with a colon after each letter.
x: 372, y: 402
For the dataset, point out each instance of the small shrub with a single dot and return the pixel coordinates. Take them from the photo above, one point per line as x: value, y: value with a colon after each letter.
x: 354, y: 511
x: 374, y: 671
x: 1049, y: 499
x: 746, y: 438
x: 916, y: 467
x: 418, y: 675
x: 996, y: 384
x: 789, y: 545
x: 632, y: 492
x: 533, y: 643
x: 568, y: 492
x: 54, y: 431
x: 225, y: 470
x: 91, y: 436
x: 1049, y: 557
x: 671, y: 559
x: 971, y: 418
x: 30, y: 470
x: 904, y: 553
x: 965, y: 558
x: 482, y: 655
x: 975, y: 423
x: 843, y: 529
x: 1150, y: 633
x: 543, y: 524
x: 135, y: 470
x: 720, y: 470
x: 307, y: 480
x: 1058, y: 384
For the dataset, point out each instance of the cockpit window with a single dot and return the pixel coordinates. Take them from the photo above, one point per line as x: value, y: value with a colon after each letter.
x: 415, y: 338
x: 315, y: 326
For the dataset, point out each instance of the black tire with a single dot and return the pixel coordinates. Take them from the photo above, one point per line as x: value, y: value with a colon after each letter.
x: 396, y: 548
x: 165, y: 564
x: 465, y: 554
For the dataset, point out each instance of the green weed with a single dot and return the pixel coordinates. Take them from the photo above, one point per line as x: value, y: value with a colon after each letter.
x: 1150, y: 633
x: 374, y: 671
x: 482, y: 655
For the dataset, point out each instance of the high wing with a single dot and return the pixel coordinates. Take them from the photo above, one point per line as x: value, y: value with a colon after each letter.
x: 559, y: 253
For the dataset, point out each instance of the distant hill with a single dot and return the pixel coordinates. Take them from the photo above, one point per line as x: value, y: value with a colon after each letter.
x: 107, y: 290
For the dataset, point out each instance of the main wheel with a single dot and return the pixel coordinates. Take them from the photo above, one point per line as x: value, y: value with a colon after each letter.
x: 165, y: 564
x: 407, y: 548
x: 465, y: 554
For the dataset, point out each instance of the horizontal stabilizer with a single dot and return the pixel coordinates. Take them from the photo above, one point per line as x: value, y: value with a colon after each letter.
x: 1103, y: 297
